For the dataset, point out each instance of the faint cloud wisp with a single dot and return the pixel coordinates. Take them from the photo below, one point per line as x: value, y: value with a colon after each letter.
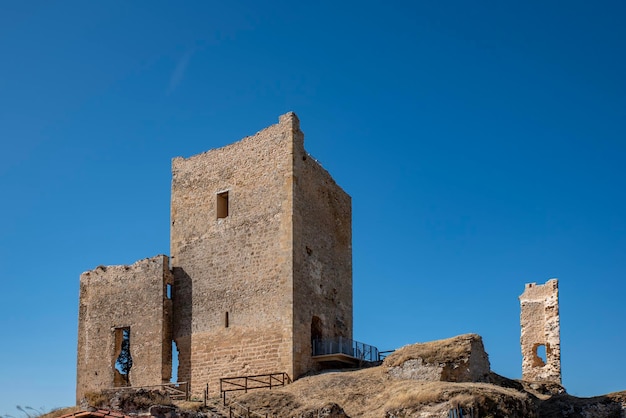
x: 179, y: 72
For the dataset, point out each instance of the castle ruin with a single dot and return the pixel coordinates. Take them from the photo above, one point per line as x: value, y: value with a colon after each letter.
x: 540, y: 339
x: 259, y: 278
x: 260, y: 266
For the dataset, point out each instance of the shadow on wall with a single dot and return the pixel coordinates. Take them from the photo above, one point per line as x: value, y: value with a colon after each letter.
x: 181, y: 332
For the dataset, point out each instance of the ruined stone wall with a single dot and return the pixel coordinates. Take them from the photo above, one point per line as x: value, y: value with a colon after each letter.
x: 238, y: 265
x: 260, y: 246
x: 322, y: 257
x: 118, y: 297
x: 540, y: 327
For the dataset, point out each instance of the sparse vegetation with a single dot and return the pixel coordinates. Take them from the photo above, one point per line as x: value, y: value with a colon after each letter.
x: 30, y: 412
x: 371, y: 393
x: 439, y: 351
x: 374, y: 392
x: 127, y: 399
x: 56, y: 413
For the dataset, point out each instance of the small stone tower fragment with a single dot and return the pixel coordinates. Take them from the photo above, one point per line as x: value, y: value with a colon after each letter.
x: 541, y: 331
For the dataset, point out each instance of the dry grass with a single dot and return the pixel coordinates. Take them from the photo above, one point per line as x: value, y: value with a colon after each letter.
x: 127, y: 399
x: 193, y: 406
x: 55, y: 413
x: 434, y: 352
x: 371, y: 393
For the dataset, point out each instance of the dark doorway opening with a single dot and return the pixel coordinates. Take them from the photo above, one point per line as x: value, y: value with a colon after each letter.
x: 316, y: 328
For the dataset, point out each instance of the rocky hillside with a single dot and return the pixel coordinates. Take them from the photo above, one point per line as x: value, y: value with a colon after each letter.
x: 420, y: 380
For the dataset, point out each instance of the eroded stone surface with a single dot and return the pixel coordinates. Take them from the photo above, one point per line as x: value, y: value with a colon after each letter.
x: 459, y: 359
x: 540, y: 332
x: 116, y: 297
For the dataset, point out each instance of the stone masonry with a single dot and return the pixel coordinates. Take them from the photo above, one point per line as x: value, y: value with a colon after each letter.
x: 541, y: 330
x: 117, y: 297
x: 261, y: 263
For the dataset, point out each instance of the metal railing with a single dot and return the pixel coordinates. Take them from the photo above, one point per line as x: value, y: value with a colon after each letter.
x: 383, y: 354
x: 347, y: 346
x: 246, y: 383
x: 237, y: 410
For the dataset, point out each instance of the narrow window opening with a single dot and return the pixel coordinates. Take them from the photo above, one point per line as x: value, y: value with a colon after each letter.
x: 222, y: 205
x: 540, y: 355
x: 123, y: 359
x: 226, y: 320
x: 168, y: 291
x: 174, y: 378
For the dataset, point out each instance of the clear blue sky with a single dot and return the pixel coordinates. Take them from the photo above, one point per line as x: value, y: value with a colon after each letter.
x: 483, y: 144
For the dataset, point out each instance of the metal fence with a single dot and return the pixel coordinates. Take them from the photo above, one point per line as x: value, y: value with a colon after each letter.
x: 246, y: 383
x: 347, y: 346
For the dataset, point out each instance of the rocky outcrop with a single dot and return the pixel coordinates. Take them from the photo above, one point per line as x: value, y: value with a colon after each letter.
x: 458, y: 359
x: 331, y: 410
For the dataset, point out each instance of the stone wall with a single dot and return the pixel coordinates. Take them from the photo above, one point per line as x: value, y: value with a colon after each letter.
x: 238, y: 265
x: 261, y: 249
x: 322, y: 254
x: 541, y: 331
x: 117, y: 297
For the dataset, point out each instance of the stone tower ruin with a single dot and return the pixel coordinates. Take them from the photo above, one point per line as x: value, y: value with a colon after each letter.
x: 541, y: 332
x: 261, y: 264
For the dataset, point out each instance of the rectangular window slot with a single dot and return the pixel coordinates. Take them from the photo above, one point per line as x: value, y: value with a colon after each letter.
x: 168, y: 291
x: 122, y: 358
x: 226, y: 320
x: 222, y: 205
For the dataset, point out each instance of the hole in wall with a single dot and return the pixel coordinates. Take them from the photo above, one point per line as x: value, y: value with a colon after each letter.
x: 222, y: 205
x: 174, y: 378
x: 168, y: 291
x: 539, y: 355
x: 124, y: 359
x: 226, y: 320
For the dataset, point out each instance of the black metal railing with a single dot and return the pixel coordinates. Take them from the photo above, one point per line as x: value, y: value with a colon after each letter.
x: 246, y: 383
x: 383, y: 354
x: 347, y: 346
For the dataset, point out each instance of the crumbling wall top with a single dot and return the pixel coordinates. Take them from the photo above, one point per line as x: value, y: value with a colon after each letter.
x: 540, y: 332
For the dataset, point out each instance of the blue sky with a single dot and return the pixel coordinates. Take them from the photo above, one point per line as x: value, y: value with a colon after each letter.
x: 483, y: 144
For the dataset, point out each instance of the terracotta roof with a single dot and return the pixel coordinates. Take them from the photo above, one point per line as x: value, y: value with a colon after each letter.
x: 100, y: 413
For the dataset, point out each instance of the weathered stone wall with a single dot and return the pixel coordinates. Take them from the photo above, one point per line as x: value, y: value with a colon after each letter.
x: 459, y: 359
x: 240, y: 264
x: 118, y: 297
x: 260, y: 245
x: 540, y: 327
x: 322, y: 253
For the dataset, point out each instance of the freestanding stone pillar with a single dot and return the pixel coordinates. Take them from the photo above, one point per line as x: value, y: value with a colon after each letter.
x: 541, y: 332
